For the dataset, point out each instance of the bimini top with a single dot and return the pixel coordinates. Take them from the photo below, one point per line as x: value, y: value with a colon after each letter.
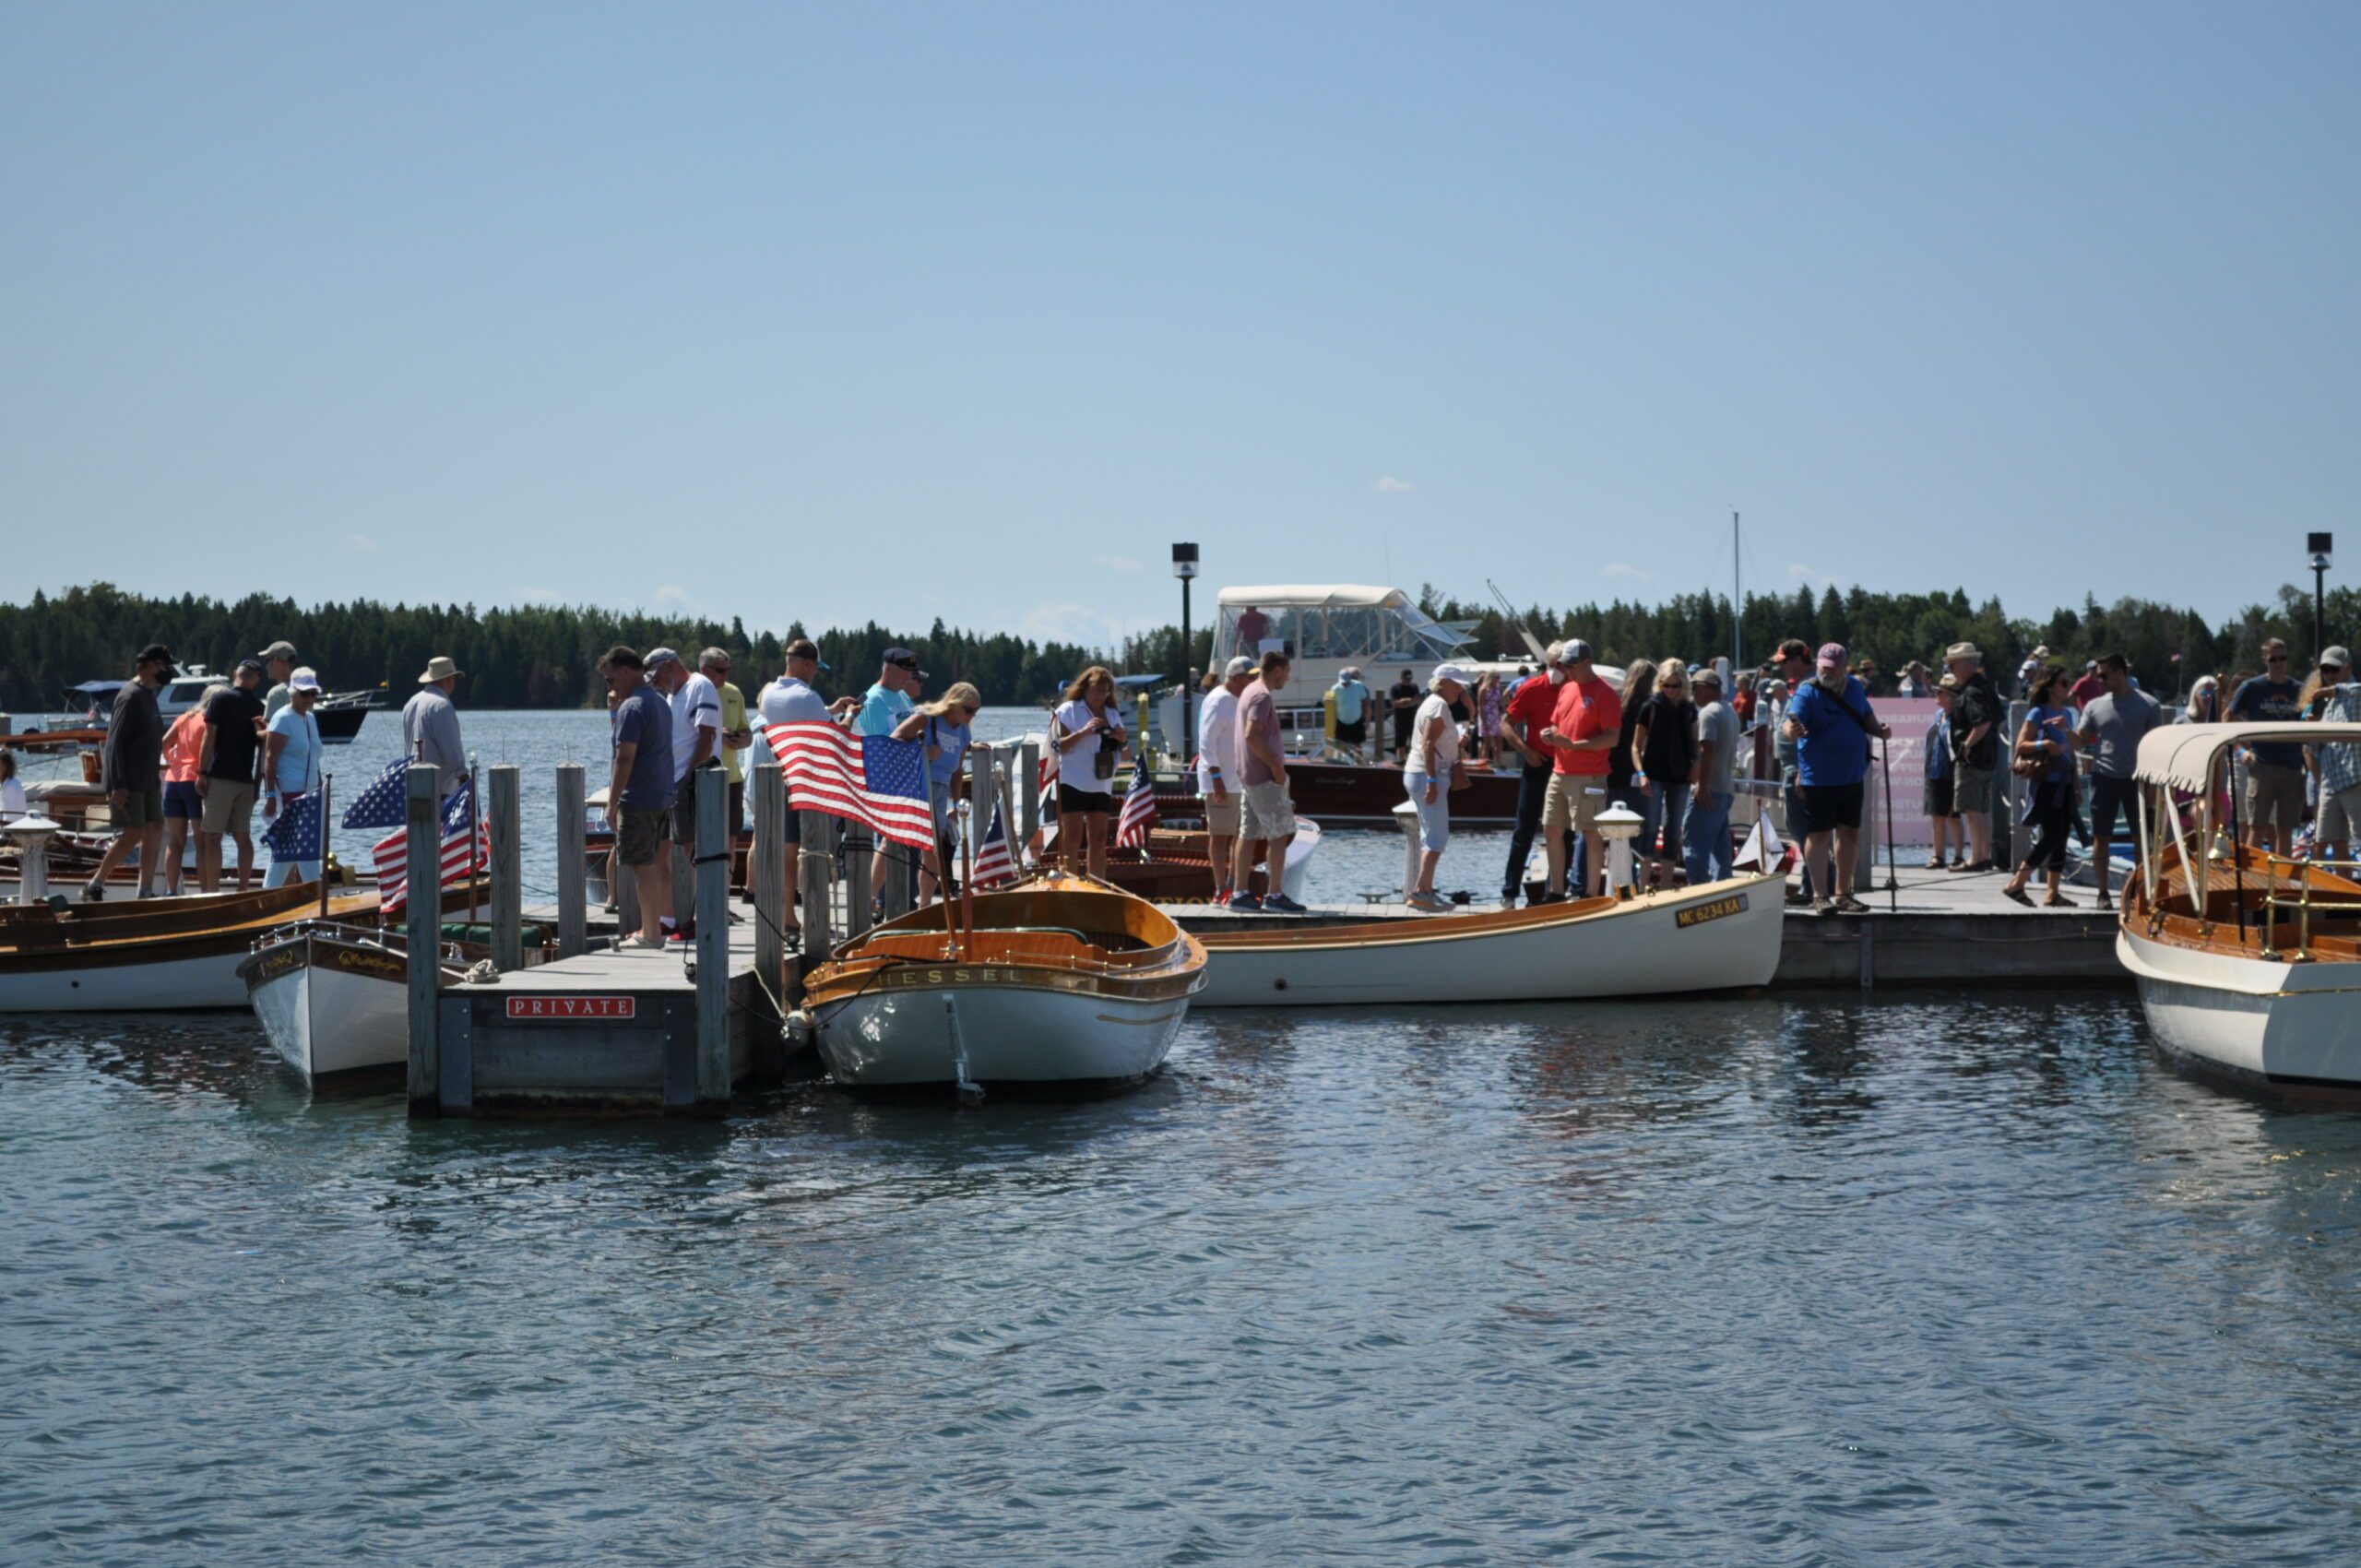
x: 2182, y: 756
x: 1317, y: 596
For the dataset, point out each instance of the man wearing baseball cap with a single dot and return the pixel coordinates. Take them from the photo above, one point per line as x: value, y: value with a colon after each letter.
x: 1427, y: 773
x: 882, y: 710
x: 792, y: 699
x: 291, y: 765
x: 277, y: 662
x: 131, y: 767
x: 1830, y: 721
x: 1529, y: 711
x: 1976, y: 714
x: 1583, y: 730
x: 1217, y: 777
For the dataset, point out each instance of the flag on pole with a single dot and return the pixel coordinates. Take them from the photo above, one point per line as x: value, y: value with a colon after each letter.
x: 383, y: 803
x: 994, y: 865
x: 1139, y: 808
x: 460, y: 851
x: 872, y: 780
x: 295, y: 834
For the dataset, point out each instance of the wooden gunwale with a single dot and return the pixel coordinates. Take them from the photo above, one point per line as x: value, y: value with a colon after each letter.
x: 1461, y: 928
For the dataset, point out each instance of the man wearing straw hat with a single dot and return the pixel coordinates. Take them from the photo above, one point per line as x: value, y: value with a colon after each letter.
x: 431, y: 724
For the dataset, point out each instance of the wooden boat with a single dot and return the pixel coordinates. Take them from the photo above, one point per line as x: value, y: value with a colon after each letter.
x: 1363, y: 794
x: 1058, y: 980
x: 169, y: 955
x: 1718, y: 935
x: 2248, y: 963
x: 334, y: 995
x: 1178, y: 867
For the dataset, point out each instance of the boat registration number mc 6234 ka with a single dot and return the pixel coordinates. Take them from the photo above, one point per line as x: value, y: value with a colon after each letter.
x: 1717, y: 909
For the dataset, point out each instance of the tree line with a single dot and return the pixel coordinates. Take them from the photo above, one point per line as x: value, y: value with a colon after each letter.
x: 546, y: 656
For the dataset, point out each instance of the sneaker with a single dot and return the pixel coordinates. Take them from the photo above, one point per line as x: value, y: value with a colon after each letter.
x: 92, y: 893
x: 1434, y: 903
x: 1222, y: 898
x: 1823, y: 906
x: 1245, y: 904
x: 1281, y: 904
x: 678, y: 939
x: 637, y: 941
x: 1848, y: 905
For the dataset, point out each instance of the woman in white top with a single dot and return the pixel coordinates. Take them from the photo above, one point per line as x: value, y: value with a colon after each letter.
x: 12, y: 792
x: 1429, y: 773
x: 1088, y: 734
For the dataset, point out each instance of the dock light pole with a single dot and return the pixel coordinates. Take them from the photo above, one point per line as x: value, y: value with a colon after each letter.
x: 2319, y: 545
x: 1184, y: 567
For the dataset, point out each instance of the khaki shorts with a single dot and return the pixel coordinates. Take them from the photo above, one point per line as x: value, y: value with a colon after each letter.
x: 140, y: 807
x: 2340, y: 814
x: 1268, y: 814
x: 1221, y: 815
x: 229, y: 808
x: 2275, y: 801
x: 1971, y: 791
x: 1570, y: 802
x: 640, y: 836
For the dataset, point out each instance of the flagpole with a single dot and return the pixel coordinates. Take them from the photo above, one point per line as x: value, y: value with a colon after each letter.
x: 967, y: 886
x: 326, y: 779
x: 475, y: 815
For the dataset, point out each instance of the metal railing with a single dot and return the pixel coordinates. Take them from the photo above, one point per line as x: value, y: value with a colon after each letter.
x: 2304, y: 902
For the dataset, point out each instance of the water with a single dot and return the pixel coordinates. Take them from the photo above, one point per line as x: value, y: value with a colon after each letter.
x: 1914, y: 1278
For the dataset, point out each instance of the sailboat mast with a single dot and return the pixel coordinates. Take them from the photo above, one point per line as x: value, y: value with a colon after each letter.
x: 1738, y: 608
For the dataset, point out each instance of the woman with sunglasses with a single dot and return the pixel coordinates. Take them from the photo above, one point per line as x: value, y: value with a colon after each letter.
x: 946, y: 728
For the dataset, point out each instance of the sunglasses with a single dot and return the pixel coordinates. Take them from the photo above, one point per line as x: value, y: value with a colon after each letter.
x: 2275, y: 658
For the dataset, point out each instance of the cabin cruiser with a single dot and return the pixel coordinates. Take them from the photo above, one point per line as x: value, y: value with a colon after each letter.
x: 339, y: 713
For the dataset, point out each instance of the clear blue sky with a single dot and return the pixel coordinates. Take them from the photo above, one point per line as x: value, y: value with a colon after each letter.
x: 861, y: 311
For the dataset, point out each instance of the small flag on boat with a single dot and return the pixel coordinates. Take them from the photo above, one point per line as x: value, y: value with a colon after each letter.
x: 461, y: 852
x: 872, y: 780
x: 1139, y: 808
x: 383, y: 803
x: 993, y: 864
x: 295, y: 834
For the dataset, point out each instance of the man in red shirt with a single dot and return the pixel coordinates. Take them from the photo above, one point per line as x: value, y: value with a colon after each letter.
x: 1583, y: 730
x: 1531, y: 707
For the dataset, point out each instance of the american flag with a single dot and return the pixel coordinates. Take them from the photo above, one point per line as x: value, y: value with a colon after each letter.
x: 295, y: 834
x: 872, y: 780
x: 461, y: 852
x: 1139, y: 808
x: 994, y: 865
x: 383, y: 803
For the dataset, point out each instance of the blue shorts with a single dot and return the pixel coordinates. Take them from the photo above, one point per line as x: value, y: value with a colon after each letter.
x: 1434, y: 821
x: 181, y: 800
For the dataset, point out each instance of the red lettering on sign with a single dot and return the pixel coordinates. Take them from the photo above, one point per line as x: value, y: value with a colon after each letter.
x: 566, y: 1008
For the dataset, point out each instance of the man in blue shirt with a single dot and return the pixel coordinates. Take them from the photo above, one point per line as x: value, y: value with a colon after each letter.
x: 2275, y: 769
x: 1353, y: 700
x: 886, y: 705
x: 639, y: 796
x: 1830, y: 721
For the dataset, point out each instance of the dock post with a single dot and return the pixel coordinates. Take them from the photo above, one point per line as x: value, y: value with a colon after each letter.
x: 713, y: 944
x: 504, y: 806
x: 767, y: 871
x: 573, y: 819
x: 900, y: 859
x: 983, y: 783
x: 859, y: 855
x: 816, y: 868
x: 1028, y: 798
x: 424, y: 933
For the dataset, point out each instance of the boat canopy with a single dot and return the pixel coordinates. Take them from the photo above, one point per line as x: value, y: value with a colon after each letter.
x: 100, y: 688
x: 1351, y: 623
x: 2183, y: 755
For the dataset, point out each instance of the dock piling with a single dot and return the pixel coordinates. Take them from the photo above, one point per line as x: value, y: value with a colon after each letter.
x: 504, y: 806
x: 1027, y: 794
x: 816, y: 868
x: 713, y: 944
x: 423, y: 935
x: 572, y: 821
x: 860, y: 853
x: 768, y: 874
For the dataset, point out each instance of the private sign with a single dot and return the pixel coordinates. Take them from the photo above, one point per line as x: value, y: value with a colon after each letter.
x: 563, y: 1008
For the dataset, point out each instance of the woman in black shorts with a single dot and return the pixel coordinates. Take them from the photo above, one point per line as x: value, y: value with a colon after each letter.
x: 1088, y: 734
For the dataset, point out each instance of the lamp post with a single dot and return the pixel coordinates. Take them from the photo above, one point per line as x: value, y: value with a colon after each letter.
x: 1184, y: 567
x: 2319, y: 545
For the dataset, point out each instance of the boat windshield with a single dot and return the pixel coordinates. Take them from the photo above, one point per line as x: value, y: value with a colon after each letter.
x: 1393, y: 632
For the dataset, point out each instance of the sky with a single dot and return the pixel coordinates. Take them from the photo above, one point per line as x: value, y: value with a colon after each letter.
x: 840, y: 313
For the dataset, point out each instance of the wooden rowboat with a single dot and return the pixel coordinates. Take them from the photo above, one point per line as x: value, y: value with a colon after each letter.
x: 1058, y: 980
x: 1717, y: 936
x: 146, y: 955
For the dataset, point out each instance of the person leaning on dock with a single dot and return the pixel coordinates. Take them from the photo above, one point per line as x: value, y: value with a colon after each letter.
x: 227, y: 769
x: 1977, y: 719
x: 290, y: 767
x: 1430, y: 773
x: 1218, y: 780
x: 1269, y: 814
x: 131, y: 770
x: 947, y: 728
x: 1581, y: 733
x: 696, y: 707
x: 1528, y: 713
x: 1087, y: 730
x: 640, y: 792
x: 2044, y: 755
x: 1830, y: 721
x: 714, y: 665
x: 2111, y: 727
x: 279, y: 663
x: 431, y: 724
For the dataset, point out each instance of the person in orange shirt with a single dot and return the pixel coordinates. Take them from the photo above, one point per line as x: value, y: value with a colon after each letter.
x: 1581, y: 733
x: 184, y: 756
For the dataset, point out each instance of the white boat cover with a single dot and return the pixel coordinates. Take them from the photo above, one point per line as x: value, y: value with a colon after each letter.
x: 1318, y: 595
x: 2182, y: 756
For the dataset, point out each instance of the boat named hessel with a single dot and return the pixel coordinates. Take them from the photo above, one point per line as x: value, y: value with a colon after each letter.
x: 1058, y: 980
x: 2248, y: 963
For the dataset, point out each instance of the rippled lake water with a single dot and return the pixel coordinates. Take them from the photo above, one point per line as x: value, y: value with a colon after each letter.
x: 1916, y: 1278
x: 1806, y: 1279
